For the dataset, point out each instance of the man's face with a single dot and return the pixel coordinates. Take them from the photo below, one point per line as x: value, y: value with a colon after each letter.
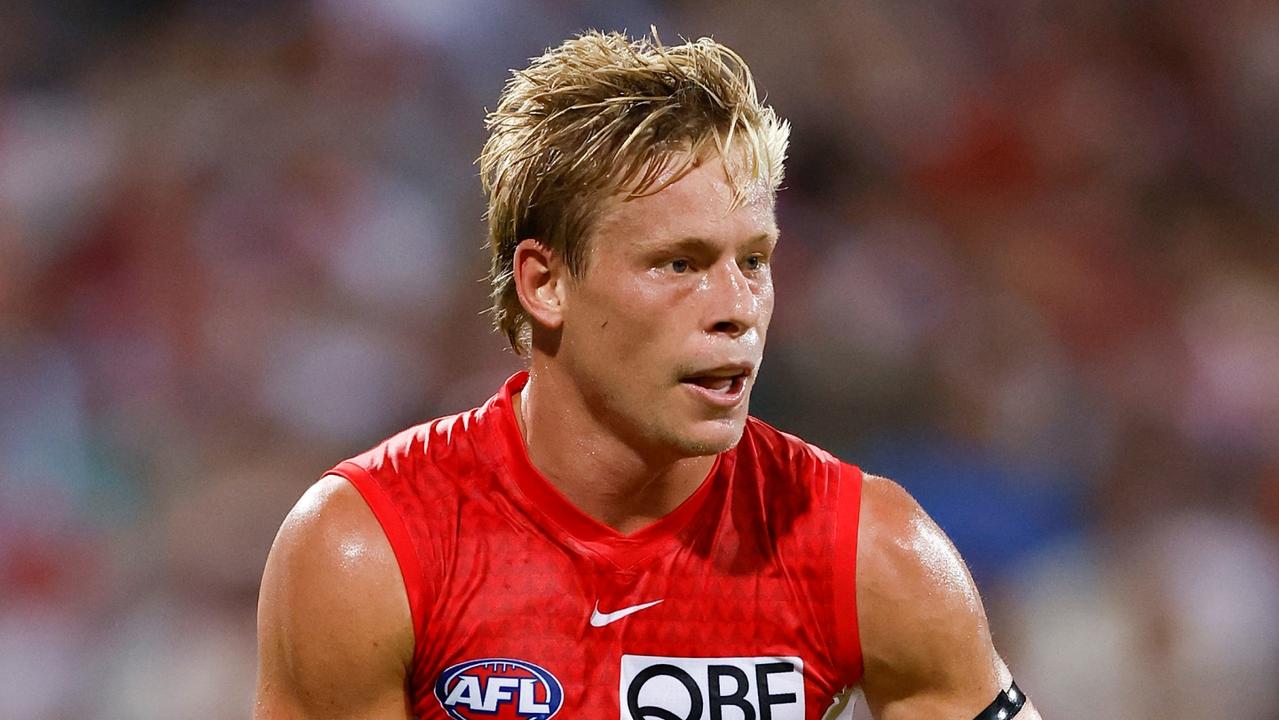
x: 664, y: 329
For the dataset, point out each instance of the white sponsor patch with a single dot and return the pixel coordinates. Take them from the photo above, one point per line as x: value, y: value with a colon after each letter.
x: 727, y: 688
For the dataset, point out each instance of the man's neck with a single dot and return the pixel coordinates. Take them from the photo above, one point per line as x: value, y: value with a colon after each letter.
x: 598, y: 471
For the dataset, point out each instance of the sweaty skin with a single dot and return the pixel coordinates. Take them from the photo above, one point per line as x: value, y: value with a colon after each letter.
x: 926, y: 644
x: 678, y: 285
x: 334, y: 633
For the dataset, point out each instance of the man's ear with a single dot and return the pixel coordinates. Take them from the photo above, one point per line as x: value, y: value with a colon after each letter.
x: 540, y: 281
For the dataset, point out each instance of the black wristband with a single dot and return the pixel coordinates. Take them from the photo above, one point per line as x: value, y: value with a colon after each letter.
x: 1005, y: 706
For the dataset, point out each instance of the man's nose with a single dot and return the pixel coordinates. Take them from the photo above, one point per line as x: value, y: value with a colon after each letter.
x: 736, y: 304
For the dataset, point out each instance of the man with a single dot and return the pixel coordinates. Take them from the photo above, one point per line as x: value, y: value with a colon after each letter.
x: 611, y: 535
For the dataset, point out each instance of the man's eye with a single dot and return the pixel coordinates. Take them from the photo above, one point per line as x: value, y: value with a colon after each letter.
x: 680, y: 266
x: 754, y: 262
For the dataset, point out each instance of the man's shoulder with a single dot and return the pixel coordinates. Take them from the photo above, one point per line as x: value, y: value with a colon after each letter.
x: 329, y: 516
x: 924, y: 635
x: 329, y: 552
x: 909, y: 573
x: 902, y: 541
x: 333, y: 612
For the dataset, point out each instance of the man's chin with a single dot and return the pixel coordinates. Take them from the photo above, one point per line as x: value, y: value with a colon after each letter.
x: 711, y: 437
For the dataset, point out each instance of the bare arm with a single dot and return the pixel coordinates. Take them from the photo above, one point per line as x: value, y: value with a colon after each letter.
x: 335, y: 637
x: 925, y: 640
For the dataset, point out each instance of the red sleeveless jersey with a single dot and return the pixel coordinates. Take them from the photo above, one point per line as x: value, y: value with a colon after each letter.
x: 738, y: 605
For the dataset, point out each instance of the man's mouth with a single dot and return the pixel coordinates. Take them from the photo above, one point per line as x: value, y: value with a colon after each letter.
x: 724, y: 385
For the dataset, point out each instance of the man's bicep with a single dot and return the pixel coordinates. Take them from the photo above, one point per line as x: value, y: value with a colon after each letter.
x: 926, y: 644
x: 334, y: 632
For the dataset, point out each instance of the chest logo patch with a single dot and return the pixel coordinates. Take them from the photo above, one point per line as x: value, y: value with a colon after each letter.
x: 725, y: 688
x: 599, y: 619
x: 499, y: 689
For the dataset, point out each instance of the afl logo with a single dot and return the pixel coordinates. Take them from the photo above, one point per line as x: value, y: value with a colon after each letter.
x: 499, y: 689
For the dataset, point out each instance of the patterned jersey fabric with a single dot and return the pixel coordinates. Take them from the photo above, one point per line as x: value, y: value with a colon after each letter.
x: 737, y: 605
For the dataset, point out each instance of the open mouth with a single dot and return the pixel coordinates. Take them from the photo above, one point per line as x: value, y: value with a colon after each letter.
x: 730, y: 384
x: 720, y: 385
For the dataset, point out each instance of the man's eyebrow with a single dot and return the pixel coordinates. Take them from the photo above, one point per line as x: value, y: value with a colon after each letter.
x: 771, y: 237
x: 697, y: 243
x: 767, y: 239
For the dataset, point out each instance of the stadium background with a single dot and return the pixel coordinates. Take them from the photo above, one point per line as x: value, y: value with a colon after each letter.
x: 1029, y: 268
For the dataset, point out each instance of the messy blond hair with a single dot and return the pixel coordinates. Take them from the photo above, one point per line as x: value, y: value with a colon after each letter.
x: 602, y: 113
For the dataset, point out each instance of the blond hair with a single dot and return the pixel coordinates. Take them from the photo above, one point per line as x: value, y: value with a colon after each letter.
x: 602, y: 113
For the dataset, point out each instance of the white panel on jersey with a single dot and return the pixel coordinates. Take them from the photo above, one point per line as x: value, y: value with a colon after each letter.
x: 654, y: 687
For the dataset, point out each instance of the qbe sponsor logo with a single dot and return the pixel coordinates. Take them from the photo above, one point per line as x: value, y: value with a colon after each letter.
x: 499, y: 689
x: 725, y: 688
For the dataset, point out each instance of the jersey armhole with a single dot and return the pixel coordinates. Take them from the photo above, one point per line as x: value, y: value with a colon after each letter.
x: 397, y: 534
x: 848, y: 651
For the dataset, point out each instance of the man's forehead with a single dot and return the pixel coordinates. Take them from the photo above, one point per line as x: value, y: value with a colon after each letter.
x: 710, y: 190
x: 735, y: 169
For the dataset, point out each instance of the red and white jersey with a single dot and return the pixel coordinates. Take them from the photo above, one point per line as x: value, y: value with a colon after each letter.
x: 738, y: 605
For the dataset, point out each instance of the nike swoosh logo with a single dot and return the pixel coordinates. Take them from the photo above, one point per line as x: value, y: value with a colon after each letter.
x: 599, y: 619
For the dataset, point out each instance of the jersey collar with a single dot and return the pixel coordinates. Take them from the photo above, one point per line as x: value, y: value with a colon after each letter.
x: 579, y: 528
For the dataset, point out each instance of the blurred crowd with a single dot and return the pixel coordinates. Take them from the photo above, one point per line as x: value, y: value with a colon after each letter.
x: 1029, y: 268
